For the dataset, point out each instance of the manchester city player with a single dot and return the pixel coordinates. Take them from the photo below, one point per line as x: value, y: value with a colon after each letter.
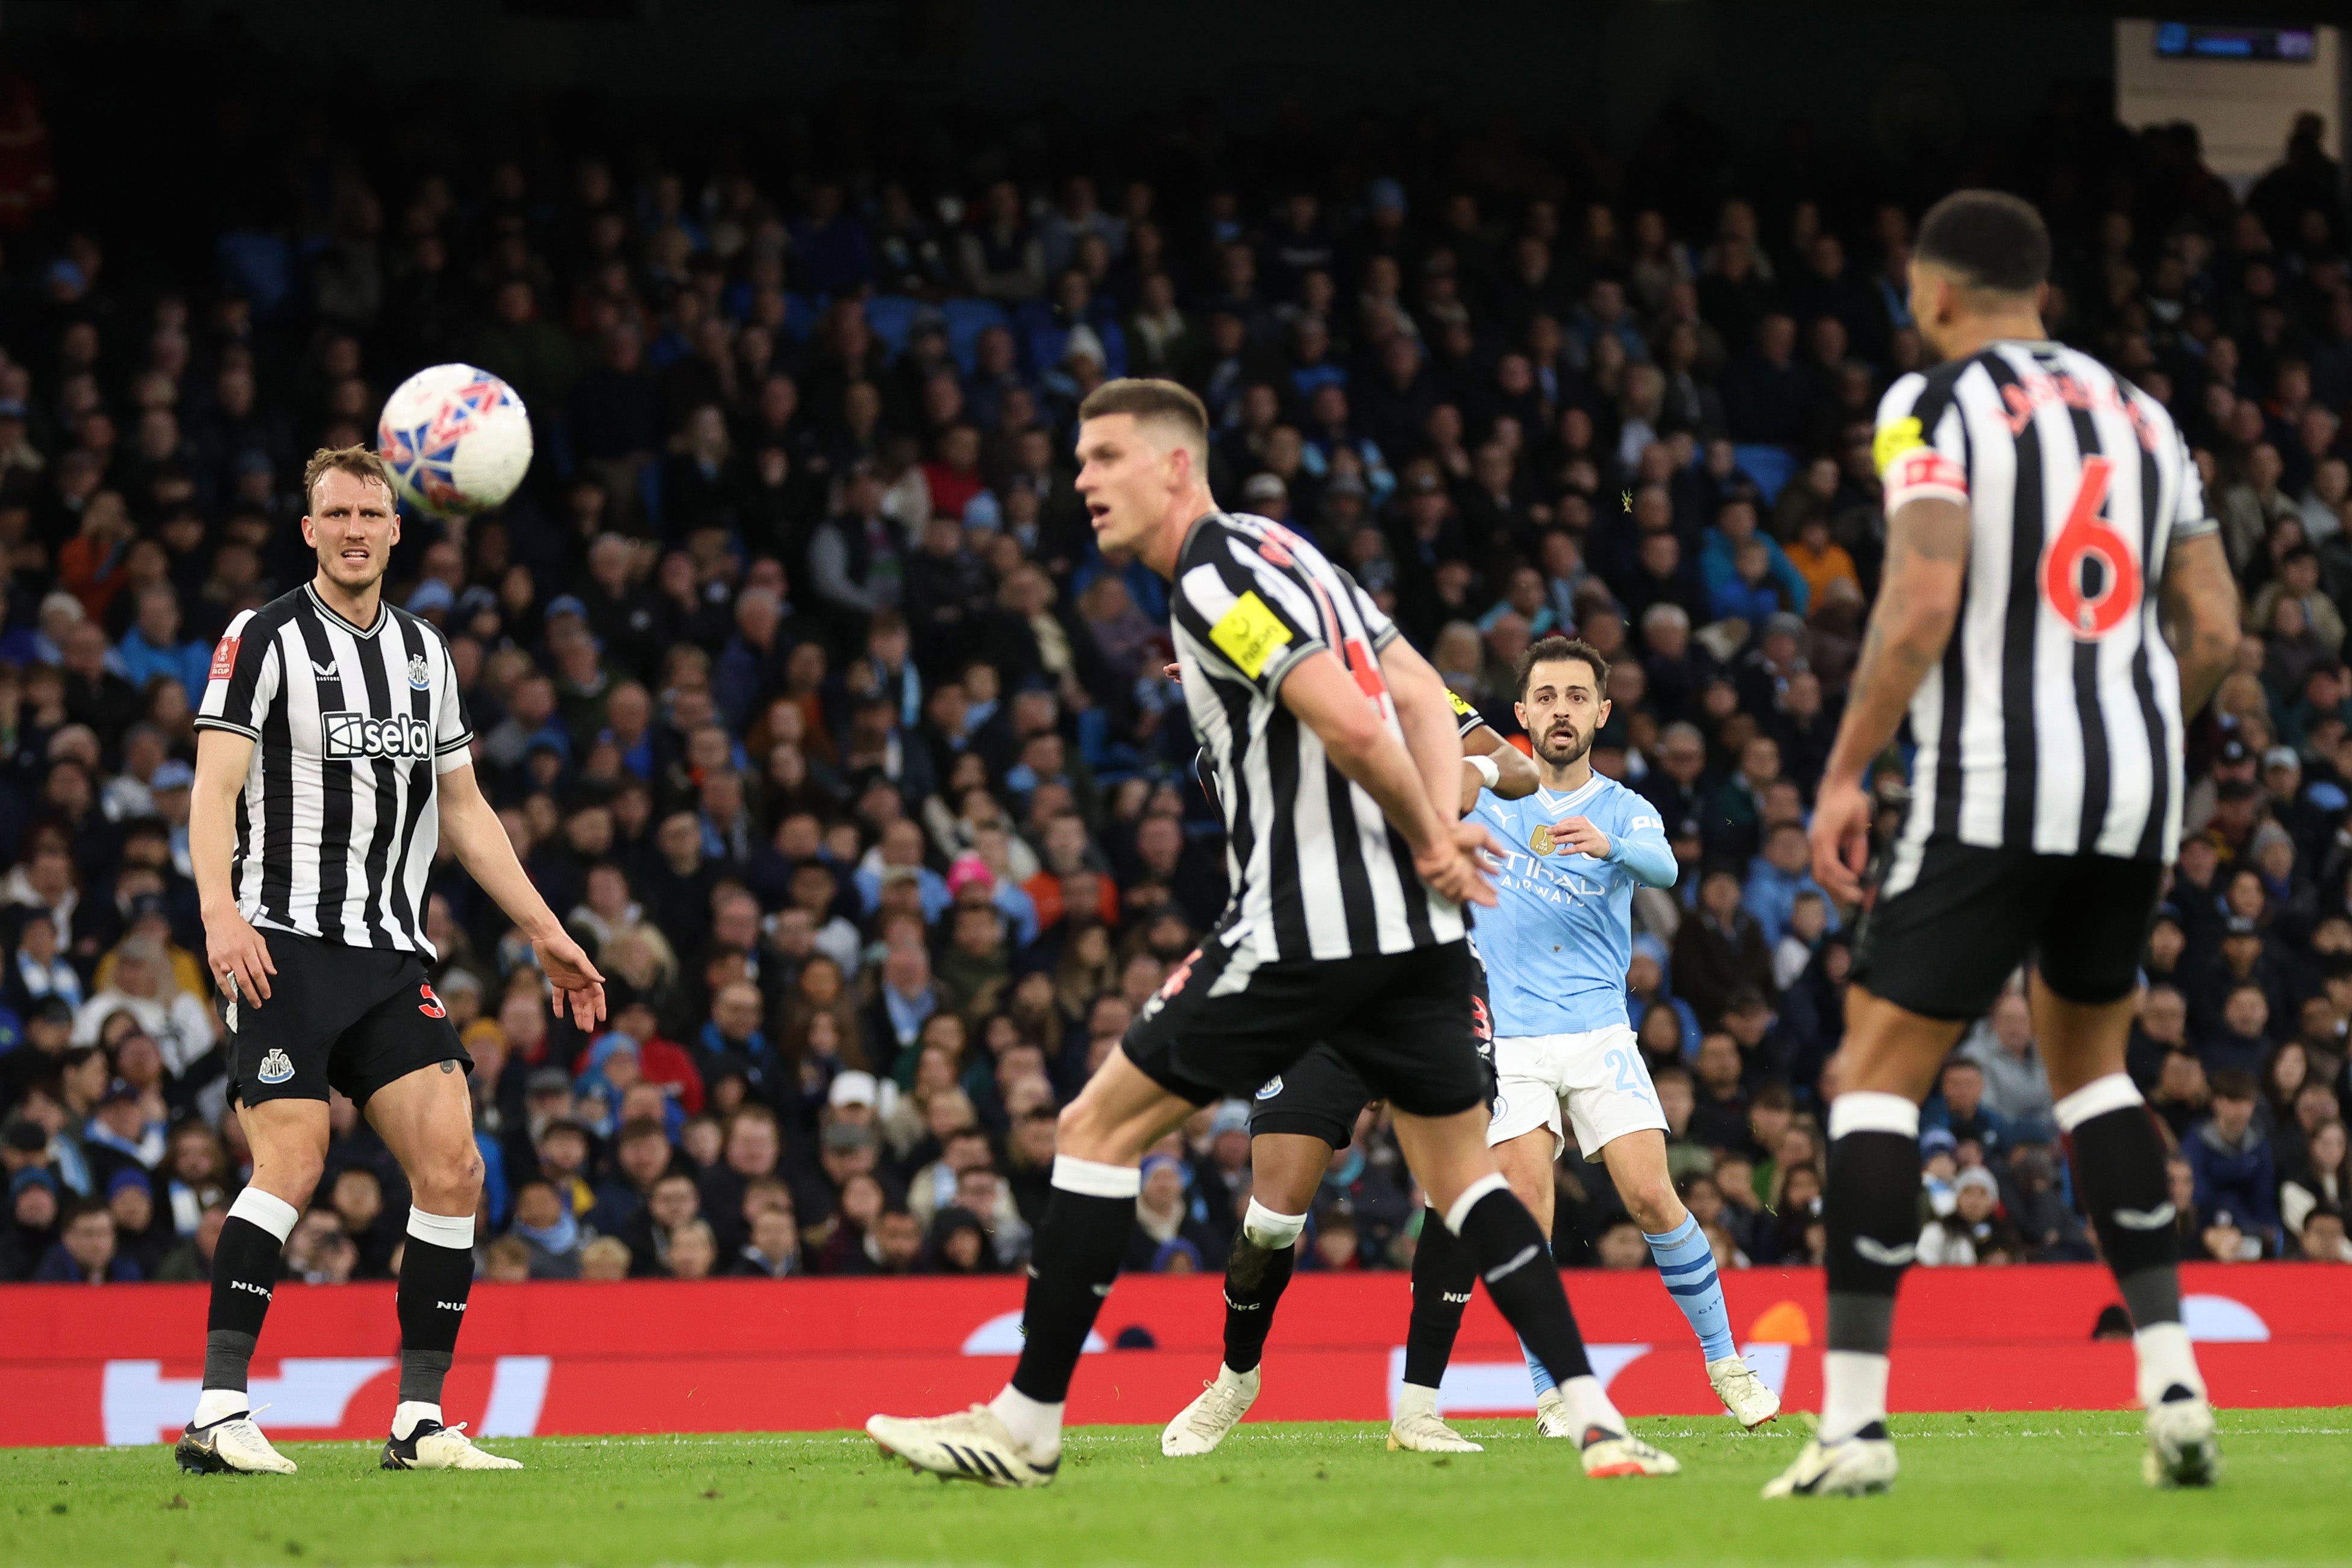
x: 1556, y: 951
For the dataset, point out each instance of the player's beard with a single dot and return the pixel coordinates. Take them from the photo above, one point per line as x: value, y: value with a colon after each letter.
x: 1557, y: 754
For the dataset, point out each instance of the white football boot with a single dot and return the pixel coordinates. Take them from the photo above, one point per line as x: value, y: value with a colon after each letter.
x: 971, y: 1445
x: 1200, y: 1425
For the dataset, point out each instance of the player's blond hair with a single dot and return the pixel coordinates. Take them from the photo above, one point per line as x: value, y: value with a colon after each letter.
x: 358, y: 461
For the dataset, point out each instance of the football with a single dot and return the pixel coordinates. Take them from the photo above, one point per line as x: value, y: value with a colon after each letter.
x: 457, y: 438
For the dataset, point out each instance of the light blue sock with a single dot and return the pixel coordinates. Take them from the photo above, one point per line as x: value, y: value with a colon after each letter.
x: 1688, y: 1264
x: 1544, y: 1384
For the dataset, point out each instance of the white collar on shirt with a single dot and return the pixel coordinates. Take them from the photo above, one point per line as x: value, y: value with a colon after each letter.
x: 1553, y: 800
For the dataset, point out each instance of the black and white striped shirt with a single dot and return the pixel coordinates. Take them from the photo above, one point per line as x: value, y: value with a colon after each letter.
x: 1317, y: 871
x: 2053, y: 722
x: 336, y: 827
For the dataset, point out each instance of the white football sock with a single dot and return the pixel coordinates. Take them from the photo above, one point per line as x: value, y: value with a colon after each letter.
x: 1414, y: 1399
x: 1854, y: 1393
x: 1034, y: 1425
x: 2165, y: 1358
x: 1589, y: 1405
x: 409, y: 1411
x: 220, y: 1404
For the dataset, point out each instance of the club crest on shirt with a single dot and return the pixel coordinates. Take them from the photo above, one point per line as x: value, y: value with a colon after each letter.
x: 1273, y: 1087
x: 1540, y: 839
x: 274, y: 1068
x: 419, y: 676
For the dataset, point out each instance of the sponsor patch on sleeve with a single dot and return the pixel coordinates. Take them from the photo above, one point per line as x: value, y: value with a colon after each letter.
x: 1923, y: 473
x: 1463, y: 710
x: 224, y: 659
x: 1249, y: 634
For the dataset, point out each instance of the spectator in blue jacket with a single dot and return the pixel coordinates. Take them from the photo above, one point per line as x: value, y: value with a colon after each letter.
x: 85, y: 1254
x: 1775, y: 879
x: 1718, y: 557
x: 152, y: 646
x: 1957, y: 1106
x: 2231, y: 1157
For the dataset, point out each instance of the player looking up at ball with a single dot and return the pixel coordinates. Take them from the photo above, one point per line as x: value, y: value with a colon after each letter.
x: 334, y: 758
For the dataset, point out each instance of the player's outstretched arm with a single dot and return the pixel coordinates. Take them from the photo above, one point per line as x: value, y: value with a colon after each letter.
x: 2199, y: 600
x: 1918, y: 600
x: 478, y: 839
x: 1327, y: 699
x: 234, y: 950
x: 1515, y: 771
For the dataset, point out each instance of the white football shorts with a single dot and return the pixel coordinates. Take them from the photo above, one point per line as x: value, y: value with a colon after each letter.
x: 1597, y: 1075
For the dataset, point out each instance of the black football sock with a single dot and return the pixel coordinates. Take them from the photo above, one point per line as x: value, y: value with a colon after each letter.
x: 246, y: 1263
x: 436, y: 1272
x: 1256, y: 1274
x: 2118, y: 1161
x: 1077, y: 1258
x: 1516, y: 1262
x: 2117, y: 1157
x: 1443, y: 1270
x: 1870, y: 1208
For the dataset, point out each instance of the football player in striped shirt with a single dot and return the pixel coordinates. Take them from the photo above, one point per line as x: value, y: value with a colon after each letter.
x: 2056, y: 606
x: 333, y: 759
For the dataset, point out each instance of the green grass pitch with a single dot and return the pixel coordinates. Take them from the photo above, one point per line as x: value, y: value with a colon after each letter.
x: 2009, y: 1488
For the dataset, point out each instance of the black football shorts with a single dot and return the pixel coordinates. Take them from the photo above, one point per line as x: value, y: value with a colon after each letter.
x: 1319, y: 1094
x: 347, y: 1018
x: 1945, y: 944
x: 1224, y: 1024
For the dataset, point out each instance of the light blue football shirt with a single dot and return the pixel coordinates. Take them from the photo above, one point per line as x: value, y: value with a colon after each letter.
x: 1558, y: 945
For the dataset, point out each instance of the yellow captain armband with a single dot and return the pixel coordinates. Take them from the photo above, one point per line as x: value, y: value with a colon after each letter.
x: 1902, y: 435
x: 1249, y: 634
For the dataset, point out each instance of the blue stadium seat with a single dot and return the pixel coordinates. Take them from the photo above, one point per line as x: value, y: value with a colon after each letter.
x: 649, y: 490
x: 801, y: 312
x: 892, y: 317
x: 1769, y: 467
x: 258, y: 264
x: 967, y: 318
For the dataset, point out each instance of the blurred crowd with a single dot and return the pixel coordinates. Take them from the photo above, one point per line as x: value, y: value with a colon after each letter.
x: 804, y: 691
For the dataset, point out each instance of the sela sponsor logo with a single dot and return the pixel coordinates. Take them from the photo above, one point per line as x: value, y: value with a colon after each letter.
x: 352, y: 736
x: 274, y: 1068
x: 247, y: 1285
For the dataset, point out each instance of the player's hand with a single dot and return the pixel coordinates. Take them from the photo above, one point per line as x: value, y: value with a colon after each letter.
x: 1453, y: 865
x: 575, y: 979
x: 1841, y: 835
x: 1173, y: 672
x: 1579, y: 834
x: 240, y: 959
